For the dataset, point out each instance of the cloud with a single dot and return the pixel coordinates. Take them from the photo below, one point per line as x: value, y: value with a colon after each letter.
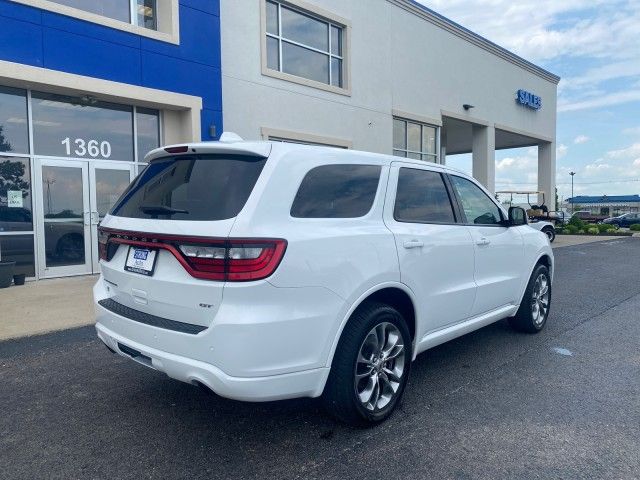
x: 580, y: 139
x: 625, y: 153
x: 615, y: 98
x: 632, y: 131
x: 561, y: 150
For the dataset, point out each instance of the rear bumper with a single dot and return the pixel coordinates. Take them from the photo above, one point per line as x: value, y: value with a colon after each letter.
x: 266, y: 343
x: 308, y: 383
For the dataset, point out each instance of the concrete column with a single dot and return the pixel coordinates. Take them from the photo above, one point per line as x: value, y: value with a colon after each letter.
x: 443, y: 146
x: 547, y: 173
x: 484, y: 156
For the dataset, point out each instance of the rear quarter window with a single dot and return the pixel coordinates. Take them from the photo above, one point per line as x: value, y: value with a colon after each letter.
x: 337, y: 191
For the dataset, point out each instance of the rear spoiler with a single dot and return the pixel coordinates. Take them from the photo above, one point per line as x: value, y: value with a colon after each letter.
x: 253, y: 149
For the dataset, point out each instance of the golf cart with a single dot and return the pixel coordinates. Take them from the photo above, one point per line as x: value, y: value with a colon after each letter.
x: 540, y: 217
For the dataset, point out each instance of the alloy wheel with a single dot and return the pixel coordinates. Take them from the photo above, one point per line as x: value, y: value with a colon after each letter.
x: 540, y: 299
x: 379, y: 367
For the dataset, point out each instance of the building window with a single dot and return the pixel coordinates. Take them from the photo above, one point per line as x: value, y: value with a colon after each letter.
x: 148, y: 130
x: 415, y: 140
x: 15, y: 195
x: 305, y: 45
x: 136, y: 12
x: 14, y: 129
x: 83, y: 127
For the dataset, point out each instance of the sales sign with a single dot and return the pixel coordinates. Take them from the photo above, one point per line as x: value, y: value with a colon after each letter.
x: 529, y: 100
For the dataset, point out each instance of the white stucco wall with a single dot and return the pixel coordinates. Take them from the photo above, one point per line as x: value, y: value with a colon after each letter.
x: 398, y: 61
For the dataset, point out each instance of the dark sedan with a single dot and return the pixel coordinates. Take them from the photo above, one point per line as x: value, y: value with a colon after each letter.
x: 625, y: 220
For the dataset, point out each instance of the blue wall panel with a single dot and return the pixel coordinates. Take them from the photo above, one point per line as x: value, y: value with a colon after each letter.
x: 45, y: 39
x: 20, y: 41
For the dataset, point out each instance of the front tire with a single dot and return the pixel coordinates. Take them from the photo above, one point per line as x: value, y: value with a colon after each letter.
x: 534, y: 308
x: 370, y: 367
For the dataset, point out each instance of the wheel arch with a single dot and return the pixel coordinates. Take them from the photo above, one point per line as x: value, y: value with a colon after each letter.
x: 543, y: 258
x: 396, y: 294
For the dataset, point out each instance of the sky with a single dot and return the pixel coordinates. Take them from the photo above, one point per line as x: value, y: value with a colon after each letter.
x: 594, y: 45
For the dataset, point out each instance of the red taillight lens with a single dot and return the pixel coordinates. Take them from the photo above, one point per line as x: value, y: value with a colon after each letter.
x: 180, y: 149
x: 103, y: 239
x: 253, y: 260
x: 233, y: 260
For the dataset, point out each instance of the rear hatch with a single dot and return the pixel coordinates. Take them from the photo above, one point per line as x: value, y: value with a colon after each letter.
x: 164, y: 247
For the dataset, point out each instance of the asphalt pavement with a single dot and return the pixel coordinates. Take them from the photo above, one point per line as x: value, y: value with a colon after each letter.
x: 493, y: 404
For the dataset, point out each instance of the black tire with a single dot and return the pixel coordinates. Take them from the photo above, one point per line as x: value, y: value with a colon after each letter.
x: 525, y: 319
x: 340, y: 395
x: 549, y: 232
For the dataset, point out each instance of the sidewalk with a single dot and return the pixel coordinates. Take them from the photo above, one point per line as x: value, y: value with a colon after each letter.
x: 568, y: 240
x: 45, y: 306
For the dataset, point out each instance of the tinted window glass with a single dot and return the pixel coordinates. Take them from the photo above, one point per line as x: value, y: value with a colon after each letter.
x: 19, y: 248
x: 13, y: 121
x: 15, y: 195
x: 422, y: 197
x: 66, y: 126
x: 194, y: 187
x: 337, y: 191
x: 118, y: 9
x: 477, y: 206
x: 148, y: 125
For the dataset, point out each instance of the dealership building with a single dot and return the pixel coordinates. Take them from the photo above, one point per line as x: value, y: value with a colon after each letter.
x: 87, y: 87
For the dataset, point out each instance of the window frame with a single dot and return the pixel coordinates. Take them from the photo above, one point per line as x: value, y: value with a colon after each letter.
x: 317, y: 14
x: 448, y: 188
x: 167, y: 18
x: 465, y: 221
x: 406, y: 150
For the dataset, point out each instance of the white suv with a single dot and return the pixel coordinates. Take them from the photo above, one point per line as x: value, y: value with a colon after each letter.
x: 266, y: 271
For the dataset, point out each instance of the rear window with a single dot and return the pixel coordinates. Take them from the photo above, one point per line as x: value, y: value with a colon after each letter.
x: 191, y: 187
x: 337, y: 191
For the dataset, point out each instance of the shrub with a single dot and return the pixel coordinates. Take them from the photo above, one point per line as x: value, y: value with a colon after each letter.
x: 635, y: 227
x: 571, y: 229
x: 576, y: 222
x: 593, y: 231
x: 605, y: 227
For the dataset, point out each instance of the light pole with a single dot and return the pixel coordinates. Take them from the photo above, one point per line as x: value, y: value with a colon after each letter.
x: 572, y: 199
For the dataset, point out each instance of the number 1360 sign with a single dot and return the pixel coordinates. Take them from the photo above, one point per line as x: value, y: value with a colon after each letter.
x: 82, y: 148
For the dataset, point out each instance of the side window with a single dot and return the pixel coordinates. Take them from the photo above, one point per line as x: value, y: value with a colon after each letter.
x: 477, y: 206
x: 422, y: 198
x: 337, y: 191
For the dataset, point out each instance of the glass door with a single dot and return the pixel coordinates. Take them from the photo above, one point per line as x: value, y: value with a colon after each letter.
x: 107, y: 181
x: 64, y: 226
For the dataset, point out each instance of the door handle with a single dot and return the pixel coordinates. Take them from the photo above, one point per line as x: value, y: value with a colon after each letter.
x: 95, y: 218
x: 483, y: 241
x: 413, y: 244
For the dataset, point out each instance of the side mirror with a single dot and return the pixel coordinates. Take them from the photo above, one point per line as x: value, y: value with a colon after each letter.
x: 517, y: 216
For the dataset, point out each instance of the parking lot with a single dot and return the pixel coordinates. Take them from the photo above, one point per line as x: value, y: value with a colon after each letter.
x: 492, y: 404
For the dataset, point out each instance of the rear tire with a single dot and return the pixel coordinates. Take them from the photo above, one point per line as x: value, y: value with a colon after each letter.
x: 550, y: 233
x: 536, y: 302
x: 370, y: 367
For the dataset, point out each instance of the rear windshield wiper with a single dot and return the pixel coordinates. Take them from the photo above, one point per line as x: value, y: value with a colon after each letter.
x: 160, y: 210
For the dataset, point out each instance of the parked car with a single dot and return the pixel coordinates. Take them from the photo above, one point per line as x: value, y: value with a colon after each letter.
x: 587, y: 216
x: 625, y: 220
x: 545, y: 227
x: 266, y: 271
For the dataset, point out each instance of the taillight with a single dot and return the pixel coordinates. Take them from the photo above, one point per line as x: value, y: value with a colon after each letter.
x: 233, y: 260
x: 103, y: 239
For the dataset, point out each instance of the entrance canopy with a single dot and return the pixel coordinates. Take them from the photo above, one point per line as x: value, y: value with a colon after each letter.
x: 461, y: 136
x: 458, y: 137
